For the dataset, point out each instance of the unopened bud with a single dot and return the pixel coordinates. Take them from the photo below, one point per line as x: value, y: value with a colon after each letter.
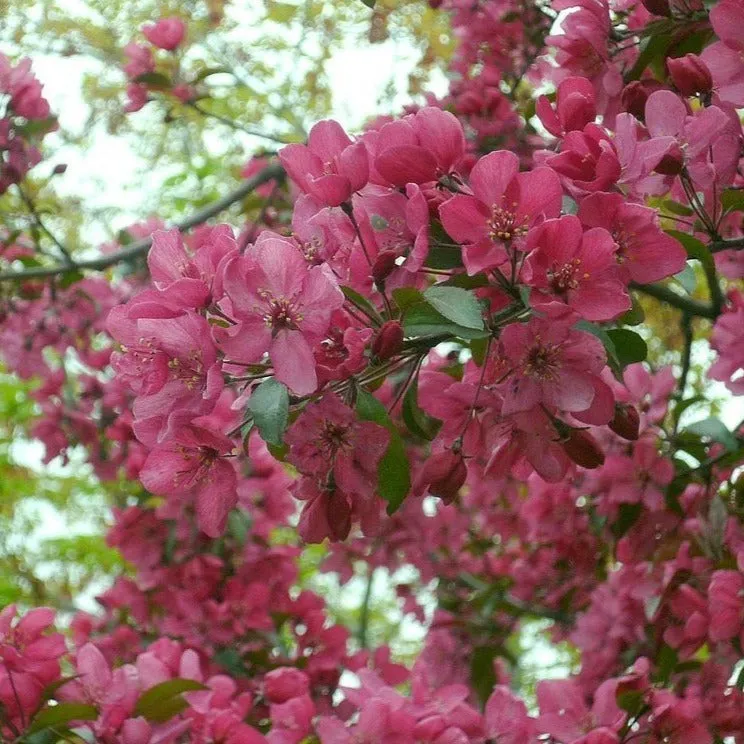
x: 444, y: 473
x: 583, y: 449
x: 383, y: 266
x: 388, y: 341
x: 690, y: 75
x: 658, y: 7
x: 672, y: 163
x: 634, y: 96
x: 626, y: 421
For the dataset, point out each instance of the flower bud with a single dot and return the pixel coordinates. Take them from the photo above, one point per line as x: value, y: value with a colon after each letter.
x: 672, y: 163
x: 658, y: 7
x: 583, y: 449
x: 690, y: 75
x: 383, y: 266
x: 388, y: 341
x: 626, y: 421
x: 444, y: 473
x: 634, y: 96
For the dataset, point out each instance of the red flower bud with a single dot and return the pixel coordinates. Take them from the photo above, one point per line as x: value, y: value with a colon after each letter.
x: 671, y: 164
x: 383, y: 266
x: 388, y: 341
x: 690, y: 75
x: 583, y: 449
x: 626, y: 421
x: 658, y: 7
x: 634, y: 96
x: 444, y: 473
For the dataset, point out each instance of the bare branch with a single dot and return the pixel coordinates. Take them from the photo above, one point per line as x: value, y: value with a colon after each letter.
x: 140, y: 247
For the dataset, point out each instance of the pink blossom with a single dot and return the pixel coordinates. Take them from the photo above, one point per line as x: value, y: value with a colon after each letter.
x: 504, y: 205
x: 726, y: 604
x: 550, y: 363
x: 728, y: 340
x: 167, y: 33
x: 645, y: 252
x: 331, y: 167
x: 576, y: 267
x: 140, y: 61
x: 193, y: 463
x: 574, y: 109
x: 724, y: 58
x: 418, y: 148
x: 185, y: 276
x: 282, y: 306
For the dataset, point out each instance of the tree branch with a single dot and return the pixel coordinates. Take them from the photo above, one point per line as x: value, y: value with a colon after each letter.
x: 686, y: 304
x: 140, y: 247
x: 725, y: 245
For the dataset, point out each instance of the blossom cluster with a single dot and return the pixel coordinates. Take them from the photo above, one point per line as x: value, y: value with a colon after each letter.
x: 25, y: 119
x: 433, y: 362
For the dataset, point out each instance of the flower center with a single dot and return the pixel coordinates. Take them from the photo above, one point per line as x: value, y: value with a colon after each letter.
x: 280, y: 313
x: 541, y: 362
x: 566, y: 277
x: 503, y: 224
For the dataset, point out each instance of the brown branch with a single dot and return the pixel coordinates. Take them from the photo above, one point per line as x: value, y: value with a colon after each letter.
x: 140, y: 247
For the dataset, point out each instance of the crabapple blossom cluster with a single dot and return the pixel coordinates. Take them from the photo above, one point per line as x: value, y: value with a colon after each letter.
x: 24, y: 120
x: 431, y: 365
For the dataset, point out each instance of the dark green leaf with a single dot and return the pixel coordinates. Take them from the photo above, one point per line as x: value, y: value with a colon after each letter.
x: 69, y: 278
x: 421, y: 319
x: 59, y: 715
x: 651, y: 48
x: 362, y: 303
x: 269, y: 405
x: 715, y: 430
x: 482, y: 674
x: 695, y: 248
x: 456, y: 304
x: 627, y: 516
x: 369, y: 3
x: 162, y: 702
x: 629, y: 346
x: 154, y: 80
x: 666, y: 663
x: 394, y: 471
x: 733, y: 200
x: 418, y: 422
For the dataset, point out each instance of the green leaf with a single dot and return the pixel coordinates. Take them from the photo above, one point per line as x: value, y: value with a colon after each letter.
x: 652, y: 47
x: 207, y: 71
x: 715, y: 430
x: 59, y: 715
x: 613, y: 360
x: 69, y: 278
x: 154, y: 80
x: 666, y: 663
x: 482, y: 674
x: 269, y: 405
x: 404, y: 297
x: 695, y: 248
x: 162, y: 702
x: 421, y: 319
x: 635, y: 316
x: 456, y: 304
x: 362, y: 303
x: 629, y: 346
x: 627, y: 516
x: 369, y: 3
x: 418, y: 422
x: 394, y: 471
x: 732, y: 200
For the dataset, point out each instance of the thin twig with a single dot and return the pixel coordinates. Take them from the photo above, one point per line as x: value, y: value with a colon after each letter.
x: 140, y: 247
